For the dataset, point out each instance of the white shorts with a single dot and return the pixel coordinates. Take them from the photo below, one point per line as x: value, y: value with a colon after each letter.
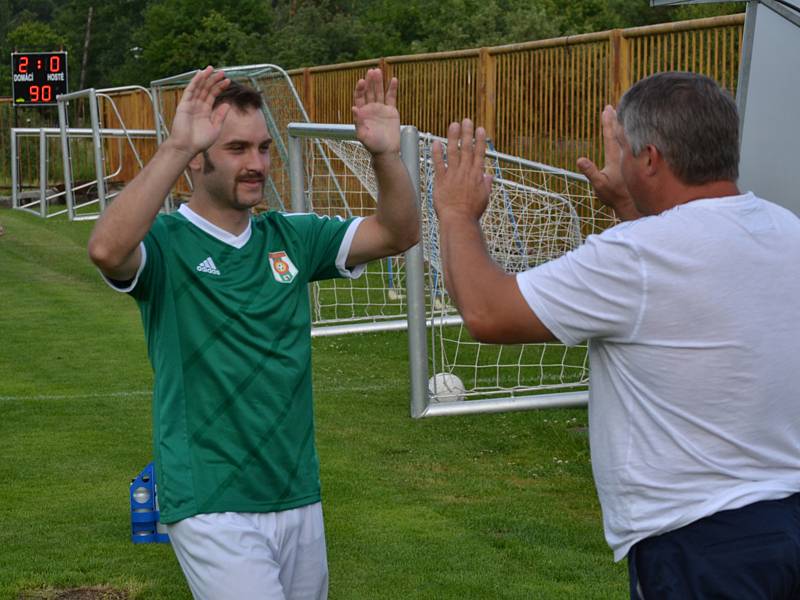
x: 254, y: 556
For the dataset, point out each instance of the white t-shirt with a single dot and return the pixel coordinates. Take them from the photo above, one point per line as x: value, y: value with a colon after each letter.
x: 693, y: 317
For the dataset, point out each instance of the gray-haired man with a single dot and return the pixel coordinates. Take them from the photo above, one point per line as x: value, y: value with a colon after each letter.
x: 692, y: 311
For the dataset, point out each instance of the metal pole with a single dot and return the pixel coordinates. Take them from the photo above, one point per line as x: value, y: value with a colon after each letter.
x: 748, y: 35
x: 98, y: 149
x: 62, y: 123
x: 415, y: 287
x: 42, y: 174
x: 296, y: 175
x: 496, y: 405
x: 14, y: 171
x: 156, y: 100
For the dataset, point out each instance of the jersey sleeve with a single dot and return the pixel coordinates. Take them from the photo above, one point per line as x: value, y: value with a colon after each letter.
x: 595, y: 291
x: 328, y: 242
x: 151, y: 268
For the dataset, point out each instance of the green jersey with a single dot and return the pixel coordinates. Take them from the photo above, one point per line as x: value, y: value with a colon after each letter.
x: 228, y: 332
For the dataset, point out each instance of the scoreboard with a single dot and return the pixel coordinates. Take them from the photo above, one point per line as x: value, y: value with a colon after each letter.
x: 38, y: 77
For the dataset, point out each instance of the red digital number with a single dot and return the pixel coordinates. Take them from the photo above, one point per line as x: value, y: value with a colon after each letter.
x: 23, y: 64
x: 55, y: 63
x: 42, y: 93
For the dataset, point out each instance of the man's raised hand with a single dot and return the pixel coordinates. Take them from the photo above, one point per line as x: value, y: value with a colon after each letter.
x: 375, y: 114
x: 196, y: 126
x: 608, y: 183
x: 461, y: 186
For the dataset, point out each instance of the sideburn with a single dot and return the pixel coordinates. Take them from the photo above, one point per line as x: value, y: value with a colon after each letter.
x: 208, y: 166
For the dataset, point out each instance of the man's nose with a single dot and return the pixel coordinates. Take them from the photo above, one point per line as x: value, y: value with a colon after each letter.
x: 256, y: 161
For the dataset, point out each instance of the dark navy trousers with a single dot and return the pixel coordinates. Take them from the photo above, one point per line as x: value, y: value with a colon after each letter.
x: 749, y: 553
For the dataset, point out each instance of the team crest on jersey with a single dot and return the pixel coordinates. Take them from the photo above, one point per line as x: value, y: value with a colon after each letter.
x: 283, y: 270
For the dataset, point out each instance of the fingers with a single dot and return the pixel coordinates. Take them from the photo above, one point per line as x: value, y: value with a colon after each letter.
x: 391, y: 93
x: 205, y: 86
x: 218, y: 116
x: 480, y: 148
x: 608, y: 117
x: 376, y: 79
x: 370, y: 89
x: 461, y: 148
x: 610, y: 143
x: 220, y: 83
x: 453, y: 154
x: 467, y: 131
x: 359, y: 94
x: 370, y: 92
x: 439, y: 169
x: 462, y: 184
x: 589, y: 169
x: 195, y: 83
x: 487, y: 184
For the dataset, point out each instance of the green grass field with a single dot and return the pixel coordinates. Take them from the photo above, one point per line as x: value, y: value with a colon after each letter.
x: 479, y: 507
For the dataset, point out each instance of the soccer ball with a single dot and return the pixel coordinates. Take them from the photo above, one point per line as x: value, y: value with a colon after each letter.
x: 446, y: 387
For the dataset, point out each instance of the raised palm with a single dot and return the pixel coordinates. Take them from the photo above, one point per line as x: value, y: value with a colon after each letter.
x: 196, y: 126
x: 375, y: 114
x: 608, y: 183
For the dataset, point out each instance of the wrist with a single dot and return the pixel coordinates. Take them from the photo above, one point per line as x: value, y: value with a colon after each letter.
x: 382, y: 158
x: 456, y: 215
x: 176, y: 149
x: 624, y: 208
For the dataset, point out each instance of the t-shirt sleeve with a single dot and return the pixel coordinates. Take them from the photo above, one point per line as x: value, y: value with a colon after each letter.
x: 328, y: 240
x: 595, y: 291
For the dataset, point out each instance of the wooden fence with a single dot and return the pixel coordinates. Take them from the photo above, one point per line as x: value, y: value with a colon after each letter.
x: 539, y: 100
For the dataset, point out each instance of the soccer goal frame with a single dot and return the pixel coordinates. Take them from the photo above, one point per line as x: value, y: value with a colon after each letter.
x: 425, y: 313
x: 79, y: 211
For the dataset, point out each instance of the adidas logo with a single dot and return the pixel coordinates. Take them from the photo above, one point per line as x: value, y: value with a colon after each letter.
x: 208, y: 266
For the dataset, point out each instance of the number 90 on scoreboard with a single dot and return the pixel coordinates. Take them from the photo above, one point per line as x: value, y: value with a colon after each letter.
x: 38, y: 77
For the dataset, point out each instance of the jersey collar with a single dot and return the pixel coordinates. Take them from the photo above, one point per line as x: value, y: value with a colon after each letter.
x: 237, y: 241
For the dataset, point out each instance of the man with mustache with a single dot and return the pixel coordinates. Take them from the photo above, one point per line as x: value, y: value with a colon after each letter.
x: 225, y: 309
x: 692, y: 312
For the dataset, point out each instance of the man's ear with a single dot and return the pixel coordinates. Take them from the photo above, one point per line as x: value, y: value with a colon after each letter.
x: 654, y: 160
x: 196, y: 164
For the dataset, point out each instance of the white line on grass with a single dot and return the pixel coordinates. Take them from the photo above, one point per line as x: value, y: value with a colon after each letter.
x: 128, y: 394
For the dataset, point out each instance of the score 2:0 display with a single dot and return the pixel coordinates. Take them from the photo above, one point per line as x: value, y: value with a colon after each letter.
x: 55, y: 64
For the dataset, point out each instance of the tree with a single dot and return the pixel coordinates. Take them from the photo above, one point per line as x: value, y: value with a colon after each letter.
x: 181, y: 35
x: 26, y: 37
x: 34, y: 35
x: 113, y: 24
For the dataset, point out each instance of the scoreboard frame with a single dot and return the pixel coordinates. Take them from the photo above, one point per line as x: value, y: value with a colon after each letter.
x: 38, y: 77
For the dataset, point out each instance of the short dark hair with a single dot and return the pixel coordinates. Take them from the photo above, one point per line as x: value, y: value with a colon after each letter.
x: 240, y: 96
x: 689, y: 119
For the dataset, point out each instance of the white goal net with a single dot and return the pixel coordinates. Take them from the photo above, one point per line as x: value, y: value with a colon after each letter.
x: 339, y: 182
x: 535, y: 213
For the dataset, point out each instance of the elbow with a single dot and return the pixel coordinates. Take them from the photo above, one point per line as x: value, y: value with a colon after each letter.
x: 411, y: 233
x: 98, y: 252
x: 481, y: 326
x: 410, y: 239
x: 102, y: 255
x: 402, y: 241
x: 500, y: 326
